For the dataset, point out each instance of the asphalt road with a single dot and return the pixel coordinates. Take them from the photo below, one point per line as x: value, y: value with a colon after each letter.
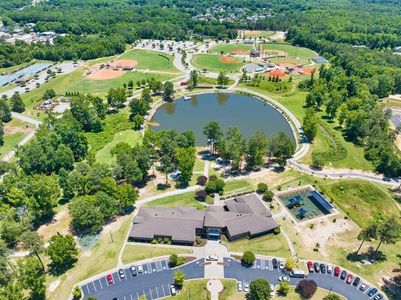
x: 154, y: 282
x: 263, y: 268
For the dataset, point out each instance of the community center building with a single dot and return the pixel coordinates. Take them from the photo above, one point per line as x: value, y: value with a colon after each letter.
x: 243, y: 216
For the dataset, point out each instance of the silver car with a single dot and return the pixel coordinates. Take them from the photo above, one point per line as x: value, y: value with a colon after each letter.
x: 239, y: 286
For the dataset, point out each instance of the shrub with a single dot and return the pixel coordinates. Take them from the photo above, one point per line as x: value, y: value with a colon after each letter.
x: 277, y: 230
x: 212, y: 177
x: 259, y: 289
x: 77, y: 293
x: 284, y: 288
x: 332, y: 297
x: 306, y: 288
x: 201, y: 180
x: 248, y: 258
x: 201, y: 195
x: 262, y: 187
x: 215, y: 186
x: 179, y: 278
x: 317, y: 160
x: 154, y: 241
x: 268, y: 196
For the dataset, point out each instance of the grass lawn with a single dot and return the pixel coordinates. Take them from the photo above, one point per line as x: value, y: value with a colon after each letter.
x: 14, y: 132
x: 193, y: 289
x: 211, y: 62
x: 199, y: 166
x: 7, y: 87
x: 227, y: 48
x: 152, y: 60
x: 10, y: 142
x: 127, y: 136
x: 258, y: 33
x: 270, y: 244
x: 293, y: 295
x: 211, y: 81
x: 238, y: 186
x: 292, y: 51
x: 185, y: 199
x: 133, y: 253
x: 99, y: 259
x: 230, y: 291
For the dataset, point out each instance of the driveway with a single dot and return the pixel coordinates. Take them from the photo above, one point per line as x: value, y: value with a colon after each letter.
x: 263, y: 268
x: 154, y: 282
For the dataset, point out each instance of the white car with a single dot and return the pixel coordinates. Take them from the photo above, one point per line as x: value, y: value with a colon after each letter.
x: 329, y: 269
x: 173, y: 290
x: 246, y: 286
x: 281, y: 265
x: 139, y: 268
x: 239, y: 286
x: 212, y: 257
x: 272, y: 293
x: 283, y: 278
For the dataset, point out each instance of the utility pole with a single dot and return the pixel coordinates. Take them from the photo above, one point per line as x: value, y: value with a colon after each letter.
x: 111, y: 236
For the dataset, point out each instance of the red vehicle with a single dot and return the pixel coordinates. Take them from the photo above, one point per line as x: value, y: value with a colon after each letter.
x: 109, y: 278
x: 337, y: 271
x: 310, y: 266
x: 349, y: 279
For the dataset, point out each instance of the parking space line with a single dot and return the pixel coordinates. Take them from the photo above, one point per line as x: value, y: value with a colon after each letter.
x: 168, y: 290
x: 149, y: 268
x: 157, y: 292
x: 94, y: 286
x: 87, y: 288
x: 100, y: 282
x: 153, y: 266
x: 158, y: 266
x: 164, y: 293
x: 125, y: 274
x: 130, y: 295
x: 262, y: 264
x: 151, y: 296
x: 137, y: 295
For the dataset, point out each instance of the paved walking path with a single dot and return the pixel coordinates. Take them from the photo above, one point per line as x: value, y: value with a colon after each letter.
x: 214, y: 286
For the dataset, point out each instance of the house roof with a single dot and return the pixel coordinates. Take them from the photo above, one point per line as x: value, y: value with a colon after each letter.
x: 241, y: 216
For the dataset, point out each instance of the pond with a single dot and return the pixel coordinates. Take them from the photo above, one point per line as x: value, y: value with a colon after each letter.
x: 245, y: 112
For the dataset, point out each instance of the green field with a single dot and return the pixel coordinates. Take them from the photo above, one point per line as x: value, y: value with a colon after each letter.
x: 261, y: 33
x: 211, y: 62
x: 185, y: 199
x: 133, y: 253
x: 227, y: 48
x: 18, y: 130
x: 193, y: 289
x: 238, y: 186
x: 152, y: 60
x: 211, y: 81
x: 292, y: 51
x: 127, y: 136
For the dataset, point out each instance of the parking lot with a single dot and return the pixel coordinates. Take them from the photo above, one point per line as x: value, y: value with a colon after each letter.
x: 263, y: 268
x: 154, y: 282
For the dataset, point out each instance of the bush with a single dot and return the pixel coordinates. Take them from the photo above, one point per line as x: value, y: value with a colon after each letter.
x: 212, y: 177
x: 268, y: 196
x: 317, y: 160
x: 201, y: 180
x: 306, y: 288
x: 179, y: 278
x: 284, y: 288
x: 332, y: 297
x: 277, y: 230
x: 77, y: 293
x: 248, y: 258
x: 201, y: 195
x: 153, y: 242
x: 215, y: 186
x: 262, y: 187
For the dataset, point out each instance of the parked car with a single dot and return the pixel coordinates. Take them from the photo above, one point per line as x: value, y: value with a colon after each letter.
x: 173, y: 290
x: 372, y: 292
x: 121, y: 273
x: 356, y: 281
x: 139, y: 268
x: 275, y: 263
x: 343, y: 274
x: 272, y: 292
x: 281, y: 265
x: 329, y: 269
x: 239, y: 286
x: 133, y: 271
x: 363, y: 287
x: 283, y: 278
x: 317, y: 267
x: 323, y: 268
x: 246, y: 286
x: 212, y: 257
x: 337, y: 271
x: 378, y: 297
x: 349, y: 279
x: 109, y: 279
x: 310, y: 266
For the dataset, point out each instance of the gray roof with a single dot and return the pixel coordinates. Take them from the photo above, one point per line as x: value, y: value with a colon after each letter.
x: 242, y: 215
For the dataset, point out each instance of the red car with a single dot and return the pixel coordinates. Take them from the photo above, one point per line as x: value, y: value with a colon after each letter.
x: 109, y: 278
x: 337, y: 271
x: 310, y: 266
x: 349, y: 279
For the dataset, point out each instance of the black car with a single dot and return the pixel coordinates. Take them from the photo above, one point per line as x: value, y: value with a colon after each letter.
x: 323, y: 268
x: 378, y: 297
x: 356, y: 281
x: 372, y: 292
x: 275, y: 263
x: 316, y: 267
x: 343, y: 274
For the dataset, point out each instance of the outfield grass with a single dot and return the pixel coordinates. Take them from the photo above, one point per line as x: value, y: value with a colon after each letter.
x: 270, y: 244
x: 227, y: 48
x: 133, y: 253
x: 193, y: 289
x: 185, y: 199
x: 211, y: 62
x: 152, y: 60
x: 292, y: 51
x: 127, y: 136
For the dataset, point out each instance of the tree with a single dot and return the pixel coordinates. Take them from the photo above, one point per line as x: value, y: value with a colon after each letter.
x: 193, y: 79
x: 389, y: 232
x: 332, y: 297
x: 268, y: 196
x: 248, y: 258
x: 256, y: 149
x: 232, y: 147
x: 215, y: 186
x: 5, y: 113
x: 185, y: 162
x: 116, y: 97
x: 306, y: 288
x: 17, y: 104
x: 145, y: 96
x: 317, y: 160
x: 259, y: 289
x: 33, y: 242
x: 282, y: 147
x: 86, y: 217
x: 62, y: 251
x: 367, y: 234
x: 100, y: 107
x: 310, y: 124
x: 1, y: 134
x: 290, y: 264
x: 201, y: 195
x: 283, y: 288
x: 32, y: 277
x: 76, y: 293
x: 222, y: 79
x: 166, y: 165
x: 49, y: 94
x: 201, y: 180
x: 213, y: 133
x: 262, y: 187
x: 138, y: 121
x: 168, y: 90
x: 179, y: 278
